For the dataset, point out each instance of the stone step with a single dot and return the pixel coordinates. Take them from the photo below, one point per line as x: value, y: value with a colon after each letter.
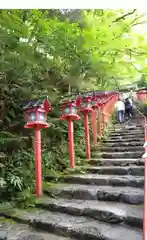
x: 121, y: 148
x: 116, y: 162
x: 106, y: 180
x: 15, y: 231
x: 125, y: 194
x: 117, y: 170
x: 109, y: 212
x: 127, y: 128
x: 129, y: 136
x: 126, y: 133
x: 121, y: 144
x: 133, y: 124
x: 133, y: 154
x: 78, y: 227
x: 119, y: 140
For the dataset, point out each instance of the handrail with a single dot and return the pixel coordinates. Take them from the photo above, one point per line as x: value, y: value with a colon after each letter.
x: 145, y: 178
x: 141, y: 113
x: 145, y: 122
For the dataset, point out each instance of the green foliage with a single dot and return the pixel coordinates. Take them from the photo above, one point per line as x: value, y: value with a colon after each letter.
x: 25, y: 199
x: 142, y: 106
x: 142, y: 82
x: 19, y: 183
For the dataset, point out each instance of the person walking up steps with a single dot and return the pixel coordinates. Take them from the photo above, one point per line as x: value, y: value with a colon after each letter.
x: 120, y: 110
x: 128, y: 107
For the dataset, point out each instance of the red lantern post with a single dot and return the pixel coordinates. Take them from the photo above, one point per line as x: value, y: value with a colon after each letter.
x: 141, y: 96
x: 138, y: 96
x: 94, y: 129
x: 69, y: 113
x: 101, y: 113
x: 93, y: 115
x: 36, y: 112
x: 99, y: 104
x: 107, y: 110
x: 86, y: 107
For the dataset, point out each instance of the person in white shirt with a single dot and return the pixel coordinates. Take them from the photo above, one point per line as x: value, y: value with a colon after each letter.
x: 120, y: 109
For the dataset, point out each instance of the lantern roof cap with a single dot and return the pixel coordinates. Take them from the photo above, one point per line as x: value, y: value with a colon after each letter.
x: 81, y: 95
x: 68, y: 102
x: 97, y: 92
x: 141, y: 89
x: 27, y: 104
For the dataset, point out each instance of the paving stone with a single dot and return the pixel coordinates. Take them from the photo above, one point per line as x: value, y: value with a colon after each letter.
x: 129, y: 136
x: 133, y: 154
x: 31, y: 236
x: 105, y: 211
x: 18, y: 231
x: 117, y: 170
x: 116, y: 162
x: 121, y: 144
x: 104, y: 180
x: 79, y: 227
x: 104, y: 193
x: 127, y: 131
x: 119, y: 140
x: 127, y: 128
x: 3, y: 235
x: 117, y: 148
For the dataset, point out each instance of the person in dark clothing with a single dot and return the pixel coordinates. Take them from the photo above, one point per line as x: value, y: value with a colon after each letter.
x: 128, y: 107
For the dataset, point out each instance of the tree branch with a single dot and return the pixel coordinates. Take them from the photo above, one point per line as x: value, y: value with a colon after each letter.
x: 137, y: 18
x: 138, y: 70
x: 124, y: 16
x: 139, y: 23
x: 135, y: 52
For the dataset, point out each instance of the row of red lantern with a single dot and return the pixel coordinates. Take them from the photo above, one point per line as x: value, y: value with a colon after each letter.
x: 141, y: 95
x: 36, y: 112
x: 87, y: 105
x: 69, y: 113
x: 108, y: 106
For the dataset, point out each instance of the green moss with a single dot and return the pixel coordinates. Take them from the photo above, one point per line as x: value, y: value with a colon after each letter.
x: 6, y: 206
x: 8, y: 220
x: 49, y: 185
x: 16, y: 212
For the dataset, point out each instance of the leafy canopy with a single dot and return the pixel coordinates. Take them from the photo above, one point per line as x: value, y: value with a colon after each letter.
x: 52, y: 49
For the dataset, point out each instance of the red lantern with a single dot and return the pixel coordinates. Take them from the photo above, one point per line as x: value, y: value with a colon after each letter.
x: 94, y: 116
x: 36, y: 112
x: 99, y: 106
x: 69, y: 113
x: 86, y: 105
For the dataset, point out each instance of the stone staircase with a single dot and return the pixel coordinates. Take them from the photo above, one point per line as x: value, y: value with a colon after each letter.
x: 105, y: 202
